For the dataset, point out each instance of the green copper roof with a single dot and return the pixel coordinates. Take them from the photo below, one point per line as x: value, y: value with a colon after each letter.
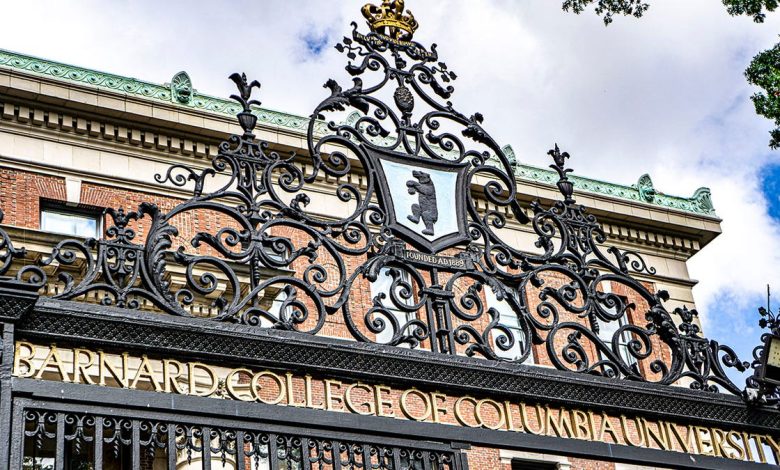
x: 180, y: 93
x: 165, y: 93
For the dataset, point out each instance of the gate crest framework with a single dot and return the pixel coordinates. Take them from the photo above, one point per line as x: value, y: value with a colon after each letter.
x: 417, y: 216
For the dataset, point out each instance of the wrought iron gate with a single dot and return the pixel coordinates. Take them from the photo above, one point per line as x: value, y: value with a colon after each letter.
x: 53, y: 435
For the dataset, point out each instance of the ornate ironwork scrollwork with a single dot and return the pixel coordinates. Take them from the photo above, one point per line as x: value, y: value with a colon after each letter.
x: 424, y: 196
x: 758, y: 391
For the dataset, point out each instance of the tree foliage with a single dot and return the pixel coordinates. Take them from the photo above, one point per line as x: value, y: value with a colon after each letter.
x: 764, y: 72
x: 754, y: 8
x: 607, y: 8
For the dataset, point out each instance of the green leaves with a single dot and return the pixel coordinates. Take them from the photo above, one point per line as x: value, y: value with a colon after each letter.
x: 607, y: 8
x: 764, y: 72
x: 754, y: 8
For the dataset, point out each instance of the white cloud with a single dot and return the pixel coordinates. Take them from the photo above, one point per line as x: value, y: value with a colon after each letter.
x: 663, y: 95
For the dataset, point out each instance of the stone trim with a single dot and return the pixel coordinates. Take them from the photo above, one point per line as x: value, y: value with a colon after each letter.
x: 699, y: 203
x: 624, y: 235
x: 507, y: 456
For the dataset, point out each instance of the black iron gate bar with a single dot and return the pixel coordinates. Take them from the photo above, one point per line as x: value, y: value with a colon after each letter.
x: 125, y: 429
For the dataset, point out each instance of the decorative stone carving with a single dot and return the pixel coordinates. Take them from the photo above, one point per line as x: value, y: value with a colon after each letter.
x: 645, y: 188
x: 181, y: 88
x: 703, y: 199
x: 510, y: 155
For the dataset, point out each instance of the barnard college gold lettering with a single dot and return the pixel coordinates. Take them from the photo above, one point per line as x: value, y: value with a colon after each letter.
x: 83, y: 366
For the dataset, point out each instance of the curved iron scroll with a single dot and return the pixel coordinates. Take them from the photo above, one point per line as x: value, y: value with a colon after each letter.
x: 276, y: 261
x: 758, y: 390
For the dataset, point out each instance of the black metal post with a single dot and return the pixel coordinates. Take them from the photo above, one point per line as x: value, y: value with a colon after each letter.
x: 6, y: 369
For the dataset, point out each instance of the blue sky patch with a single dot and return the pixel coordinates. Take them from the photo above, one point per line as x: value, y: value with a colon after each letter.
x: 770, y: 186
x: 315, y: 42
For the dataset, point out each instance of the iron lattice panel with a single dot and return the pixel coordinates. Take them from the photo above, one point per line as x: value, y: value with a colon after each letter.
x: 123, y: 439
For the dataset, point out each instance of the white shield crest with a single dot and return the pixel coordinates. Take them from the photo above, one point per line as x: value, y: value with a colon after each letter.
x: 424, y: 201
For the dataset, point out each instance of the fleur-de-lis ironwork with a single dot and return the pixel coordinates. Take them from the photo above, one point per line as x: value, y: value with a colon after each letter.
x: 275, y: 262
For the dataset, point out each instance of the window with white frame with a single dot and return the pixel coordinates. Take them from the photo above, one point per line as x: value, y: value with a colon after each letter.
x: 278, y: 309
x: 382, y: 285
x: 608, y: 329
x: 508, y: 318
x: 71, y: 221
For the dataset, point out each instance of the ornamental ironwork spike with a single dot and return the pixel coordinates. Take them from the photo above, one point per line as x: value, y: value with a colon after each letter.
x: 246, y: 119
x: 565, y: 186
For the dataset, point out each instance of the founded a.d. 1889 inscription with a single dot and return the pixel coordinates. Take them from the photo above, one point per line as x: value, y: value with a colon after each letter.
x: 437, y: 261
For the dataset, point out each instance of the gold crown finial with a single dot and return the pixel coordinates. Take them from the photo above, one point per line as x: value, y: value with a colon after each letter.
x: 389, y: 19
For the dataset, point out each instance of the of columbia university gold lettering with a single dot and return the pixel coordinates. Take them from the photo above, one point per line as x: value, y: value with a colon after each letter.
x: 539, y: 420
x: 104, y: 366
x: 580, y: 425
x: 56, y: 360
x: 439, y: 409
x: 381, y: 403
x: 459, y: 412
x: 510, y: 419
x: 84, y: 366
x: 146, y: 370
x: 231, y: 386
x: 673, y: 431
x: 79, y: 369
x: 356, y: 408
x: 607, y: 428
x: 657, y: 435
x: 562, y: 427
x: 332, y: 399
x: 408, y: 411
x: 491, y: 404
x: 309, y: 397
x: 704, y: 445
x: 170, y: 379
x: 24, y: 360
x: 627, y: 434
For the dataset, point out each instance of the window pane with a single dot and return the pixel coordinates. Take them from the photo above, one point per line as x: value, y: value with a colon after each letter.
x: 508, y: 318
x: 383, y: 284
x: 80, y: 225
x: 607, y: 329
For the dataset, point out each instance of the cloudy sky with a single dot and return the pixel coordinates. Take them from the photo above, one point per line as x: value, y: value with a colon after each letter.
x: 664, y: 94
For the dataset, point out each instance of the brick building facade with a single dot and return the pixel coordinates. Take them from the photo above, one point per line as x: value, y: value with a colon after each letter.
x: 75, y: 142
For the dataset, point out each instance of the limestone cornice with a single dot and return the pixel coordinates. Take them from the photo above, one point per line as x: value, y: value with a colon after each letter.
x: 680, y: 232
x: 132, y: 87
x: 646, y: 241
x: 644, y: 229
x: 45, y: 80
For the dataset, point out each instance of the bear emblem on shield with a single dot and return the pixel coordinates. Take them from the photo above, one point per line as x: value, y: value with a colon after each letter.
x: 426, y: 209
